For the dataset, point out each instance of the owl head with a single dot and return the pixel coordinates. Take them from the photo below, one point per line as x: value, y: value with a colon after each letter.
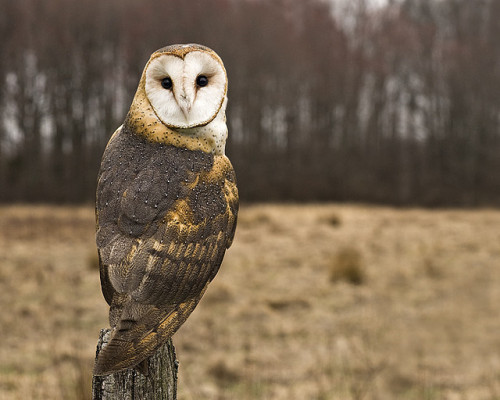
x: 183, y: 91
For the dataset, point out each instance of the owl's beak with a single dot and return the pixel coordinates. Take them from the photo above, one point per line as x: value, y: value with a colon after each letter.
x: 185, y: 104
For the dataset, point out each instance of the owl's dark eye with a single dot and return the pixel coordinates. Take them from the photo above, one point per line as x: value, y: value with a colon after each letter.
x: 166, y: 83
x: 202, y: 80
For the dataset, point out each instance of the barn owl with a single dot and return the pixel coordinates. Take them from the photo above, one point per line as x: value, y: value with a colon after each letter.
x: 166, y: 203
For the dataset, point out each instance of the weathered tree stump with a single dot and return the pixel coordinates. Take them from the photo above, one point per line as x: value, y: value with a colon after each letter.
x: 160, y: 384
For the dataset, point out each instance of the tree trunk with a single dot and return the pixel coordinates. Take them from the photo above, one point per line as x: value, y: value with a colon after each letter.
x: 160, y: 384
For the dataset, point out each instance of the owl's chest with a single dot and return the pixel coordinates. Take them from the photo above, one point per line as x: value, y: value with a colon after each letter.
x: 141, y: 181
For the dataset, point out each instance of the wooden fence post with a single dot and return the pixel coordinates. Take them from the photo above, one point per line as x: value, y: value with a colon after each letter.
x: 160, y: 384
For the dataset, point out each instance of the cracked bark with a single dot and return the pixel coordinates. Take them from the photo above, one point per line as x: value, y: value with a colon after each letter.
x: 160, y: 384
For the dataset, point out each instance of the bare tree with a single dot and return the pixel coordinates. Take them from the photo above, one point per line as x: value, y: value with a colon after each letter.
x: 397, y: 104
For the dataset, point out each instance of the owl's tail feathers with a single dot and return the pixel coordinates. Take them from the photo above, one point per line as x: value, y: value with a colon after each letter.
x: 135, y: 340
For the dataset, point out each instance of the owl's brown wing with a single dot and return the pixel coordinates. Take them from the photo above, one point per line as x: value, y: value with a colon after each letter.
x: 159, y: 252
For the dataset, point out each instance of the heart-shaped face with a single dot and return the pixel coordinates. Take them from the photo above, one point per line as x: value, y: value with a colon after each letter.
x: 186, y: 91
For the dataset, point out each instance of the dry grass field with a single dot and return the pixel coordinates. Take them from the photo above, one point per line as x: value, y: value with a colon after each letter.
x: 312, y: 302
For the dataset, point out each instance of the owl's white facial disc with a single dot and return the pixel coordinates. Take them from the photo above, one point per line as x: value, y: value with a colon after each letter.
x: 186, y: 93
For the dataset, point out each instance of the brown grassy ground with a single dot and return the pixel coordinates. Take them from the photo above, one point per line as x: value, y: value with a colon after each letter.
x: 284, y: 318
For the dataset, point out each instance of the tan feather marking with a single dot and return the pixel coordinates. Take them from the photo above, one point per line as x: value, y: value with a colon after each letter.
x: 183, y: 310
x: 209, y: 251
x: 183, y: 233
x: 171, y: 248
x: 196, y: 251
x: 151, y: 263
x: 158, y: 246
x: 220, y: 237
x: 215, y: 252
x: 230, y: 191
x: 195, y: 182
x: 203, y: 251
x: 218, y: 170
x: 189, y: 250
x: 133, y: 251
x: 181, y: 212
x: 180, y: 251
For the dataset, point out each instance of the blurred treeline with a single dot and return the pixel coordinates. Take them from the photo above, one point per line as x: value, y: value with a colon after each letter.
x: 399, y: 104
